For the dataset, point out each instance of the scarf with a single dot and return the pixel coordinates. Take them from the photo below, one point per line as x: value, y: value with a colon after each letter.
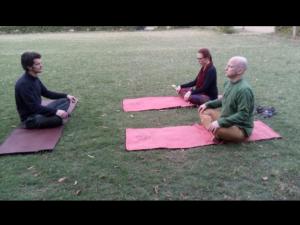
x: 201, y: 76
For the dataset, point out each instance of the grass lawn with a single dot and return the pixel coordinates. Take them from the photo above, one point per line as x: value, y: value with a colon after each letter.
x: 101, y: 69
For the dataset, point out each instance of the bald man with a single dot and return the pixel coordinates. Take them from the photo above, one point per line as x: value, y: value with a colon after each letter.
x: 234, y: 121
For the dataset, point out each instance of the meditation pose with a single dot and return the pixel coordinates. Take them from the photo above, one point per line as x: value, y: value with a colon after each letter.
x: 28, y: 92
x: 204, y: 87
x: 234, y: 122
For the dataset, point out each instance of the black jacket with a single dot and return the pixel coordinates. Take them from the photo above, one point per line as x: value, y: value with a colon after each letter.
x: 28, y: 92
x: 210, y: 84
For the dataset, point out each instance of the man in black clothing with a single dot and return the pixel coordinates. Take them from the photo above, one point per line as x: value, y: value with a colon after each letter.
x: 28, y: 92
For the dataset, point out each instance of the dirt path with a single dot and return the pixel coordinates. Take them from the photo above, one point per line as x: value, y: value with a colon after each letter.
x: 258, y: 29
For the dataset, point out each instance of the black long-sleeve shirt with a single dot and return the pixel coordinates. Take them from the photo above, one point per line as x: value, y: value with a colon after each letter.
x: 210, y: 84
x: 28, y: 92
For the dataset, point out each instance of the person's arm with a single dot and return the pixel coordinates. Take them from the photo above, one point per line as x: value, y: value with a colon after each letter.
x: 210, y: 79
x: 32, y: 103
x: 245, y: 101
x: 51, y: 94
x: 217, y: 103
x: 189, y: 84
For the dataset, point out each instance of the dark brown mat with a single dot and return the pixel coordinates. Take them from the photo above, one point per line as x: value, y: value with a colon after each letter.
x: 24, y: 140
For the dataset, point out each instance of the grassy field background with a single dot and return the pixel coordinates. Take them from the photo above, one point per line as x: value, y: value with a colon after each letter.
x: 103, y: 68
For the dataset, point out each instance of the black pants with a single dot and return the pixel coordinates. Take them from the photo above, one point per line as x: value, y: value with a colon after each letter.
x: 38, y: 121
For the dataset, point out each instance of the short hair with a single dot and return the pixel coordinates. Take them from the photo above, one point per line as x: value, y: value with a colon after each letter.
x: 205, y: 52
x: 27, y: 59
x: 242, y: 62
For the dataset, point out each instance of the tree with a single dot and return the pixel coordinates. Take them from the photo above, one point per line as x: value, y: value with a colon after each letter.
x: 294, y: 32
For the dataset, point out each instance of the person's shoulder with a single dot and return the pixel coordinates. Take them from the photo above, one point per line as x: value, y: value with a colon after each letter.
x: 246, y: 84
x: 23, y: 81
x: 212, y: 69
x: 20, y: 79
x: 226, y: 82
x: 245, y: 88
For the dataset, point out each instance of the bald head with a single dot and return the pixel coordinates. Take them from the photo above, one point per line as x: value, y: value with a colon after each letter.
x: 240, y: 63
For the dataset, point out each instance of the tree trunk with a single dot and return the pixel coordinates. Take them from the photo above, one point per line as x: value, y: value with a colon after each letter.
x: 294, y: 32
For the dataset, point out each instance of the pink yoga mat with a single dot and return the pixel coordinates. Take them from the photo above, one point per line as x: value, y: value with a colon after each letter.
x: 154, y: 103
x: 179, y: 137
x: 33, y: 140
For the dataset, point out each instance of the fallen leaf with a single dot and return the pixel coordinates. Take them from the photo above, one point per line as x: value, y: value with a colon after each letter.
x: 78, y: 192
x: 60, y: 180
x: 30, y: 168
x: 264, y: 178
x: 91, y: 156
x: 131, y: 116
x: 183, y: 195
x: 275, y: 173
x: 227, y: 197
x: 282, y: 186
x: 155, y: 188
x: 75, y: 182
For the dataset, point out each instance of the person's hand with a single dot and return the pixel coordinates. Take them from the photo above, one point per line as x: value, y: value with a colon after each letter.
x: 178, y: 88
x: 214, y: 126
x: 62, y: 114
x: 187, y: 96
x: 202, y: 108
x: 71, y: 98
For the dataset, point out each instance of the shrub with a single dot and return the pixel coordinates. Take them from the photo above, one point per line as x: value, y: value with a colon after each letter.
x: 226, y: 29
x: 41, y: 29
x: 286, y: 30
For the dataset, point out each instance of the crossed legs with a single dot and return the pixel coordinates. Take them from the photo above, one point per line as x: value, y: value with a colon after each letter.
x: 38, y: 121
x: 233, y: 133
x: 196, y: 99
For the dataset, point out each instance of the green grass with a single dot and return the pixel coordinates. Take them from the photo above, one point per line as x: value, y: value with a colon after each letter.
x: 101, y: 69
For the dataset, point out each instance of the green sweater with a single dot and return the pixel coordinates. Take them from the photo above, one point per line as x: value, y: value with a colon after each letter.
x: 237, y: 106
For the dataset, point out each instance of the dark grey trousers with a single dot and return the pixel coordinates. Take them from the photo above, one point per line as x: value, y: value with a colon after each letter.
x: 38, y: 121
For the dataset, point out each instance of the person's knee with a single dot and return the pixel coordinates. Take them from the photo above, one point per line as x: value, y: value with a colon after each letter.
x: 33, y: 122
x: 197, y: 100
x: 40, y: 121
x: 208, y: 112
x: 229, y: 135
x: 30, y: 123
x: 62, y: 101
x: 63, y: 104
x: 50, y: 122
